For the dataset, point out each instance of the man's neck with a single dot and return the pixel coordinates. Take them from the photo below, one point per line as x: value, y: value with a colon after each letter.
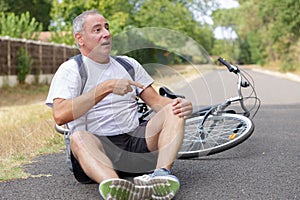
x: 98, y: 58
x: 101, y: 60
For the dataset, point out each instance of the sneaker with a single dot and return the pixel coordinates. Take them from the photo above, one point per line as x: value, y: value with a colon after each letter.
x: 121, y: 189
x: 164, y: 184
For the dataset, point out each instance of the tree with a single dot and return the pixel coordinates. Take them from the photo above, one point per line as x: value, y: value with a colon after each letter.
x: 282, y: 21
x: 38, y: 9
x: 226, y: 20
x: 127, y: 14
x: 267, y: 30
x: 174, y: 15
x: 22, y: 26
x: 24, y: 64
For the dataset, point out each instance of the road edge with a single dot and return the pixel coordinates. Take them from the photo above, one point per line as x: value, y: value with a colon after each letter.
x: 288, y: 75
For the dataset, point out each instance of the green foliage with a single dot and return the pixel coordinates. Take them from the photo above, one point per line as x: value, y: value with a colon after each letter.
x: 291, y: 62
x: 62, y: 37
x: 268, y: 31
x: 38, y: 9
x: 173, y: 15
x: 24, y: 64
x: 221, y: 48
x: 18, y: 26
x: 163, y: 13
x: 124, y: 15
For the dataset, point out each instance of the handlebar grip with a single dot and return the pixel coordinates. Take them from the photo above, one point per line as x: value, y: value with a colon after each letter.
x: 230, y: 67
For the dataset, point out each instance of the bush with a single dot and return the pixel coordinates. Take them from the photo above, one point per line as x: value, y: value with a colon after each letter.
x: 24, y: 65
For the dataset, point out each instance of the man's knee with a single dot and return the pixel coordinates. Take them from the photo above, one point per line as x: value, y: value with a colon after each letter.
x: 83, y: 140
x: 171, y: 116
x: 76, y: 139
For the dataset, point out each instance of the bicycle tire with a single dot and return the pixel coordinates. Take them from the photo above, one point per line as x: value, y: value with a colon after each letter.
x: 221, y: 132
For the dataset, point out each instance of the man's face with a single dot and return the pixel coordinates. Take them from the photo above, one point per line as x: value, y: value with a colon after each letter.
x: 95, y: 39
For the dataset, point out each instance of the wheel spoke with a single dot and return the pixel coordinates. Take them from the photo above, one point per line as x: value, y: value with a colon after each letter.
x: 217, y: 131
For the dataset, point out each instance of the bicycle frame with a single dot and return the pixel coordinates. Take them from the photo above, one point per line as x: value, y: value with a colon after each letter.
x: 240, y: 84
x: 220, y: 108
x: 217, y: 128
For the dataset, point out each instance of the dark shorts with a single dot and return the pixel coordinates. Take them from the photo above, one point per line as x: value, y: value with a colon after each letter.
x: 128, y: 153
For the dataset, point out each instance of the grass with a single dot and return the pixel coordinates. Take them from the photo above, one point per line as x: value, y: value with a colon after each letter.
x: 23, y: 95
x: 27, y: 129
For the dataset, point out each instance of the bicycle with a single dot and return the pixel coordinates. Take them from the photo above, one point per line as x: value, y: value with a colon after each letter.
x: 215, y: 128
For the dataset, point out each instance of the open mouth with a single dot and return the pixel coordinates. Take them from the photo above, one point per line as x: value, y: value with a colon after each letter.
x: 105, y: 43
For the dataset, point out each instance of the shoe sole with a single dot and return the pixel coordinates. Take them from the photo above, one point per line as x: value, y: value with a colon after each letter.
x: 120, y: 189
x: 164, y: 188
x: 167, y: 197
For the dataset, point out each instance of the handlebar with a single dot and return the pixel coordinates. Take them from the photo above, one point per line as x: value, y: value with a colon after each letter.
x: 229, y: 66
x: 241, y: 83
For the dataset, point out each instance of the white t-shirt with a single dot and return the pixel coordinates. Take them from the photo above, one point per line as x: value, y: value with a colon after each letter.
x: 114, y: 114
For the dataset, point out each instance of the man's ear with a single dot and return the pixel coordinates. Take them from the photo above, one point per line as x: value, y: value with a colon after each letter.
x: 79, y: 38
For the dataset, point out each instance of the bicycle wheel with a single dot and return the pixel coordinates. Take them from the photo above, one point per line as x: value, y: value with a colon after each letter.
x: 219, y: 133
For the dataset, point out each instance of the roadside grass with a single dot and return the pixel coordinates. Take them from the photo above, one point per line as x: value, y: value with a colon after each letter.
x: 22, y: 94
x: 27, y: 129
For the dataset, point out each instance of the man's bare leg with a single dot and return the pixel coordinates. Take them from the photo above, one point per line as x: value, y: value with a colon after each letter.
x: 165, y: 133
x: 88, y: 150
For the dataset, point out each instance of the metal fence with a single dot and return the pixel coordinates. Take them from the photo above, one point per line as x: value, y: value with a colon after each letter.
x: 46, y: 56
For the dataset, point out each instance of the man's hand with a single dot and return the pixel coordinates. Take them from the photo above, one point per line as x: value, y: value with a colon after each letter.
x: 182, y: 107
x: 123, y: 86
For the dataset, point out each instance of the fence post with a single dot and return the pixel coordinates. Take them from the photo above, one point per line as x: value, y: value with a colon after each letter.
x: 53, y: 57
x: 40, y: 68
x: 8, y: 55
x: 65, y: 52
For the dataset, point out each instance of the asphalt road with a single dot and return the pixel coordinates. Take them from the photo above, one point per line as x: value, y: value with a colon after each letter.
x: 266, y: 166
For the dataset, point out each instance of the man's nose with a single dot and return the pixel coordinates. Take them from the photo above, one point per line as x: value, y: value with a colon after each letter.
x: 106, y: 33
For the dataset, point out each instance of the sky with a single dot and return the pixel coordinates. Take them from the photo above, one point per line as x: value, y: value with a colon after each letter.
x: 228, y: 3
x: 219, y: 32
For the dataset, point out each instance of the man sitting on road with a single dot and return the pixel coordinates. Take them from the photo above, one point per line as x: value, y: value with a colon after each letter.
x: 107, y: 138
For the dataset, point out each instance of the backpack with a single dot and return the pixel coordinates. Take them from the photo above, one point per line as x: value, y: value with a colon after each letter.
x: 83, y: 74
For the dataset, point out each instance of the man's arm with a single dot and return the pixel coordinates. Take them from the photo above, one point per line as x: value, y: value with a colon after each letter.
x: 66, y: 110
x: 181, y: 107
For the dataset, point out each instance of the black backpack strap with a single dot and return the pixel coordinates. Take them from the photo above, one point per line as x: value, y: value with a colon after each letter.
x: 126, y: 65
x: 83, y: 74
x: 81, y: 69
x: 129, y: 68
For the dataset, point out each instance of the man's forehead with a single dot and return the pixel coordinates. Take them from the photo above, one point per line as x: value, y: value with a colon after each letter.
x: 95, y: 19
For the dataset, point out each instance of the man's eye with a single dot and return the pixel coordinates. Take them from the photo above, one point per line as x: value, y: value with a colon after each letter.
x: 107, y: 27
x: 97, y: 30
